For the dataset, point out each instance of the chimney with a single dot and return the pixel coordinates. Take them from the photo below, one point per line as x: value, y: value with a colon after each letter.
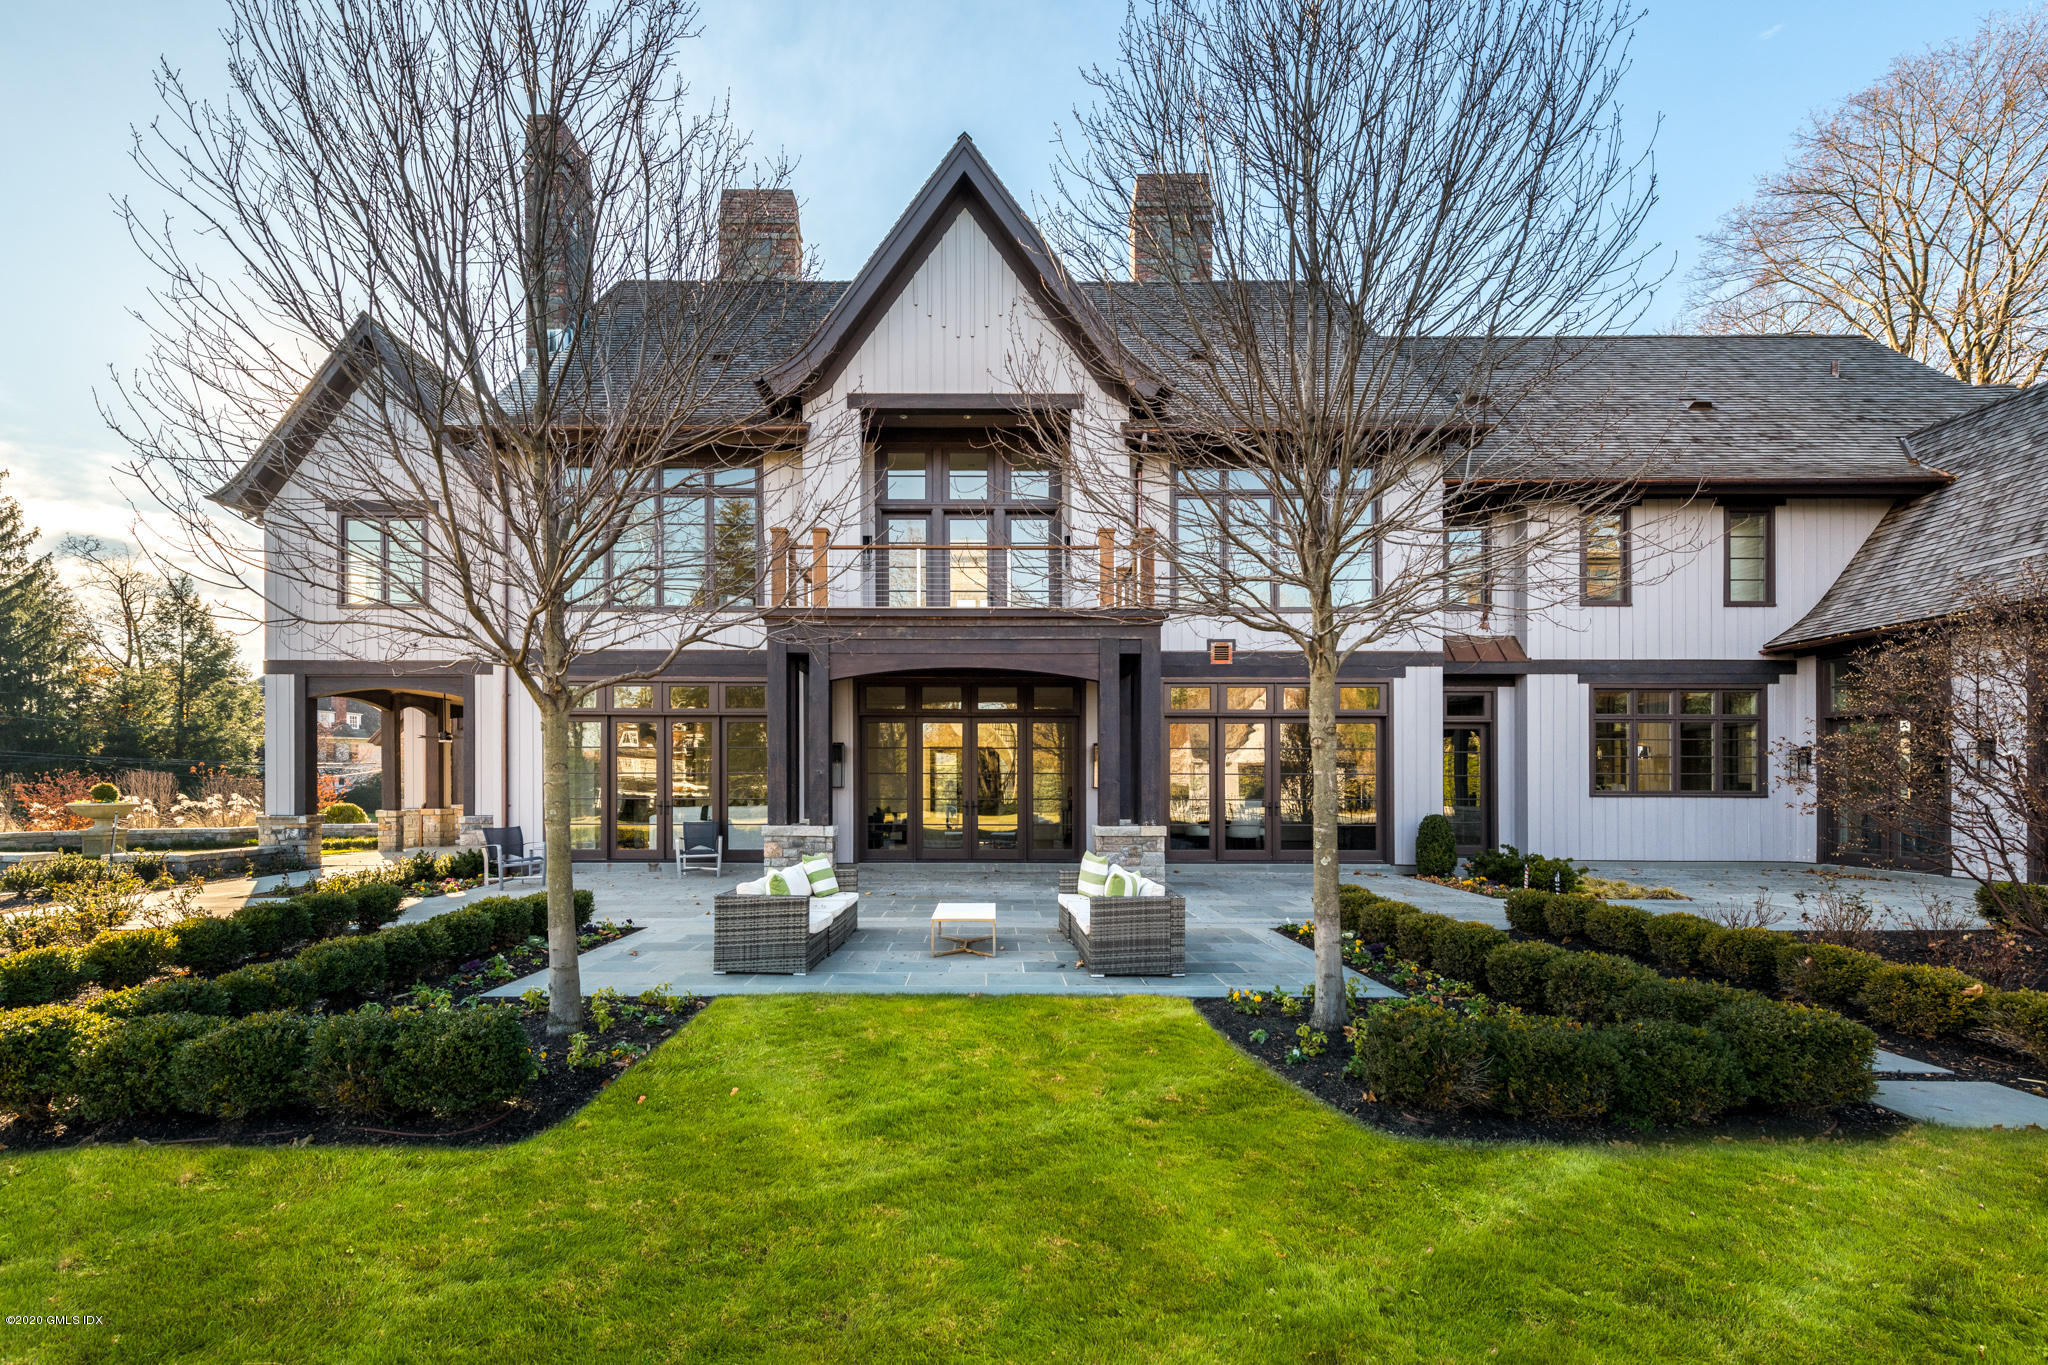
x: 1172, y: 218
x: 558, y: 184
x: 758, y: 237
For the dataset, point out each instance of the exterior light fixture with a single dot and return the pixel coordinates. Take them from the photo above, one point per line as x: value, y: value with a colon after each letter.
x: 1095, y: 764
x: 1802, y: 762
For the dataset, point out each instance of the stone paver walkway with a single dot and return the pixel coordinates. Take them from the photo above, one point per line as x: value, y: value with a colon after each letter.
x: 1964, y: 1104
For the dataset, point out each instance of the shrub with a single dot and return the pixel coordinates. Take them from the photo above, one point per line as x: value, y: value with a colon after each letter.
x: 206, y: 944
x: 416, y: 867
x: 345, y: 967
x: 1673, y: 1073
x: 1676, y: 940
x: 377, y: 904
x: 1420, y: 1054
x: 1459, y: 949
x: 129, y: 957
x: 1565, y: 916
x: 39, y: 975
x: 1681, y: 1000
x: 39, y: 1048
x: 510, y: 919
x: 1588, y: 987
x: 125, y: 1072
x: 1351, y: 903
x: 1380, y: 919
x: 1515, y: 973
x: 450, y: 1062
x: 328, y: 912
x: 268, y: 986
x: 586, y: 907
x: 412, y: 951
x: 1934, y: 1002
x: 1551, y: 1069
x: 537, y: 907
x: 469, y: 862
x: 345, y: 813
x: 105, y: 791
x: 1748, y: 957
x: 1825, y: 973
x: 250, y: 1066
x: 1798, y: 1056
x: 1526, y: 912
x: 1436, y: 847
x: 146, y: 863
x: 1509, y: 866
x: 2019, y: 903
x: 1412, y: 936
x: 1618, y: 928
x: 273, y: 925
x: 2020, y: 1020
x: 348, y: 1061
x: 470, y: 932
x: 179, y: 995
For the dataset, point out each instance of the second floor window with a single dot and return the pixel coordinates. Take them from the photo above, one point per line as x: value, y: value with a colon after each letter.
x: 694, y: 544
x: 1225, y: 528
x: 1749, y: 557
x: 1603, y: 559
x: 383, y: 561
x: 965, y: 527
x: 1466, y: 580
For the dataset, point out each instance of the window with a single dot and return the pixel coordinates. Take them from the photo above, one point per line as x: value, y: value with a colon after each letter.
x: 965, y: 527
x: 1749, y: 557
x: 383, y: 561
x: 1223, y: 524
x: 1466, y: 580
x: 1671, y: 741
x: 1603, y: 559
x: 693, y: 544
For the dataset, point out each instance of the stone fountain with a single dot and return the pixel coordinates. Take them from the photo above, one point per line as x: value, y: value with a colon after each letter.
x: 104, y: 837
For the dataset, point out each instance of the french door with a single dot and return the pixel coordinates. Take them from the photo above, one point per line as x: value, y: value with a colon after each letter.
x: 969, y: 788
x: 650, y: 777
x: 1242, y: 790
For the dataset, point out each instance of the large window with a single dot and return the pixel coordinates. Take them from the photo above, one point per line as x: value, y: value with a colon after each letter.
x: 694, y: 544
x: 1671, y: 741
x: 1603, y: 559
x: 1224, y: 524
x: 965, y: 527
x: 1467, y: 582
x: 383, y: 561
x: 1750, y: 565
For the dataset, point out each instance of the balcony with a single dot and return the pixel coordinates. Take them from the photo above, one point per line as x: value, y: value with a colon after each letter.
x: 816, y: 575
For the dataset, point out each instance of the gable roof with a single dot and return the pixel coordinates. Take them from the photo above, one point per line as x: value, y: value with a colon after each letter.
x: 362, y: 349
x: 962, y: 177
x: 1989, y: 521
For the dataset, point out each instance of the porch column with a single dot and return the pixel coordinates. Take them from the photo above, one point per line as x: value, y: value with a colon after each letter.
x: 818, y: 738
x: 1148, y: 726
x: 781, y: 735
x: 389, y: 739
x: 435, y: 790
x: 1109, y: 731
x: 308, y: 802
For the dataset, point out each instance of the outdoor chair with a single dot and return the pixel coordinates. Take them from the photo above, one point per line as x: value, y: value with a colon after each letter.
x: 1124, y: 935
x: 506, y: 850
x: 754, y: 932
x: 699, y: 843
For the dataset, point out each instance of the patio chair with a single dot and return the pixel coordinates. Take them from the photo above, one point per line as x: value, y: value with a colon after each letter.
x: 506, y: 850
x: 1124, y: 935
x: 698, y: 842
x: 753, y: 932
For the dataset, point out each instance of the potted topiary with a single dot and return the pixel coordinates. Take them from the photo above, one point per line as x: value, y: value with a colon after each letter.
x: 106, y: 809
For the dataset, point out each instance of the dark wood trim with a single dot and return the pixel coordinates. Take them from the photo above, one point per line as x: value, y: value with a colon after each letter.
x: 308, y: 746
x: 426, y: 670
x: 1109, y: 732
x: 1730, y: 511
x: 781, y: 734
x: 691, y: 665
x: 965, y: 402
x: 1365, y: 665
x: 1148, y: 725
x: 817, y: 723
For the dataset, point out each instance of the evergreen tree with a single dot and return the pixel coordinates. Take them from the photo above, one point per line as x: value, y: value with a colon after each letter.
x: 207, y: 710
x: 42, y: 676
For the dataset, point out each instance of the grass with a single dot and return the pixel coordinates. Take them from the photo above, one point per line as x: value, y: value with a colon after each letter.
x: 1619, y: 889
x: 939, y: 1178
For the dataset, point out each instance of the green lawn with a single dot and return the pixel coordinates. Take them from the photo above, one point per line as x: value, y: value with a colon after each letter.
x: 865, y: 1178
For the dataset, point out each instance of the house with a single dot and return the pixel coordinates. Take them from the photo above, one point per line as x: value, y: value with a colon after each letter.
x: 938, y: 699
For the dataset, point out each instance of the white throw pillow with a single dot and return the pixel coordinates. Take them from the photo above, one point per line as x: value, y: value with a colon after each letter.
x: 1094, y: 873
x: 756, y: 887
x: 788, y: 881
x: 824, y: 881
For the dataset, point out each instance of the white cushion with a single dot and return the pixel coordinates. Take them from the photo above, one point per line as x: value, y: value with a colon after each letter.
x: 757, y: 887
x: 792, y: 881
x: 1094, y: 869
x: 821, y: 918
x: 1078, y: 906
x: 833, y: 904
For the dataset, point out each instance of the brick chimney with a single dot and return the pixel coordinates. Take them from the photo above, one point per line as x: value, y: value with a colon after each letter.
x: 758, y: 237
x: 1172, y: 218
x: 558, y: 181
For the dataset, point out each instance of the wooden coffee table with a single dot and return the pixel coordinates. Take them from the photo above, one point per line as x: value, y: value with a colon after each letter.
x: 964, y: 912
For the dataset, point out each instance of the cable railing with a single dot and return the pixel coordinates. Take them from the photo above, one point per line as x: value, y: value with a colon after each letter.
x: 812, y: 573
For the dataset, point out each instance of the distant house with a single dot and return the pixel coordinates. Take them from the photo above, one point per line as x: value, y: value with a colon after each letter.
x: 963, y: 708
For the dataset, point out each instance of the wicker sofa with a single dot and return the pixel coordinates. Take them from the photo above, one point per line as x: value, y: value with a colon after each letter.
x: 789, y: 934
x: 1124, y: 935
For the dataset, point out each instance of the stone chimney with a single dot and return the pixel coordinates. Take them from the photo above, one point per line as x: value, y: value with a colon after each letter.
x: 558, y: 183
x: 1172, y: 217
x: 758, y: 237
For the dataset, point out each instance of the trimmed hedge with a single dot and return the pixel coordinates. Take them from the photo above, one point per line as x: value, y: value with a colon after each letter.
x: 1998, y: 902
x: 116, y: 958
x: 125, y: 1072
x: 1526, y: 911
x: 39, y: 1051
x: 1672, y: 1073
x: 1565, y: 915
x: 1589, y: 987
x: 1436, y: 847
x: 2021, y: 1018
x: 1799, y: 1056
x: 250, y: 1066
x: 1826, y: 973
x: 1934, y: 1002
x: 377, y: 904
x: 1518, y: 973
x: 273, y: 925
x: 1748, y: 957
x: 1678, y: 939
x: 440, y: 1062
x: 265, y: 986
x: 345, y: 968
x: 39, y: 976
x: 1459, y: 949
x: 209, y: 945
x: 1619, y: 928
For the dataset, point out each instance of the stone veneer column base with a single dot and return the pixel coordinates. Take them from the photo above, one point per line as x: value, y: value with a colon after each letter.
x: 1140, y: 848
x: 473, y: 827
x: 288, y: 831
x: 788, y: 845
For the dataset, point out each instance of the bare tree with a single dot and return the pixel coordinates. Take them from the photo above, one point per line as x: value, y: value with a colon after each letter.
x: 443, y: 313
x: 1365, y: 242
x: 1936, y: 756
x: 1915, y: 213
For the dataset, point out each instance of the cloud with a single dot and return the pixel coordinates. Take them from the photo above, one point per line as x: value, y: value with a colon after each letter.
x: 1773, y: 31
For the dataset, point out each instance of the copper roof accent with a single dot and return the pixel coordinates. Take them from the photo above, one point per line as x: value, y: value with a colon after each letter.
x: 1484, y: 649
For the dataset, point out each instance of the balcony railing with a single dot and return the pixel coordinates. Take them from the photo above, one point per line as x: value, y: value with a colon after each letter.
x: 813, y: 573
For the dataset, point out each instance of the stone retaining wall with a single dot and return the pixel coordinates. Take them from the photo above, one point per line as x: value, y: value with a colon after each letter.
x: 788, y: 845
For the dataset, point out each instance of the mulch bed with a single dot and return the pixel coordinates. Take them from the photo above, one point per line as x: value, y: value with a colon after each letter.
x: 1324, y: 1078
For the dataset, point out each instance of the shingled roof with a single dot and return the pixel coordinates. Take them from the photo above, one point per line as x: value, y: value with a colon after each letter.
x: 1988, y: 522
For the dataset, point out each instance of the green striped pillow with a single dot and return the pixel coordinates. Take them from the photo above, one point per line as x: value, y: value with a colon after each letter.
x: 824, y: 881
x: 788, y: 881
x: 1094, y: 873
x: 1121, y: 883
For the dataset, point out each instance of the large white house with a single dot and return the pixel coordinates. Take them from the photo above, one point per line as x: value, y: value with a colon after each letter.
x: 1802, y: 495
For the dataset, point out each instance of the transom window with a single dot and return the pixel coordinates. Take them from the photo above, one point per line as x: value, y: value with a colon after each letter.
x: 1223, y: 520
x: 694, y: 544
x: 383, y: 561
x: 965, y: 527
x: 1671, y: 741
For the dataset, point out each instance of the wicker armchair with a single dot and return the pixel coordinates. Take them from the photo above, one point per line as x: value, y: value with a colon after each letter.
x: 774, y: 934
x: 1127, y: 935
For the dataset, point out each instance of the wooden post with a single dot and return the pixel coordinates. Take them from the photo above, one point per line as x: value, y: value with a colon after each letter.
x: 778, y: 566
x: 1105, y: 583
x: 1145, y: 566
x: 818, y: 579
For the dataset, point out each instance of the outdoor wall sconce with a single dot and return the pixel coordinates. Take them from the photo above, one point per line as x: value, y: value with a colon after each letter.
x: 1095, y: 764
x: 446, y: 737
x: 1802, y: 763
x: 838, y: 765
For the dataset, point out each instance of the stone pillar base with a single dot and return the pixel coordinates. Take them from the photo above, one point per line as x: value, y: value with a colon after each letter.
x: 286, y: 831
x: 472, y: 834
x: 440, y: 826
x: 1138, y: 848
x: 397, y: 830
x: 788, y: 845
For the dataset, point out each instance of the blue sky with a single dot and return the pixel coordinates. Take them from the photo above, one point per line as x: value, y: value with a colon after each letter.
x: 866, y: 96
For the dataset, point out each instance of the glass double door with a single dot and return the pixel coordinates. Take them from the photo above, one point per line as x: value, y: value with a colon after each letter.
x: 1243, y: 789
x: 639, y: 783
x: 969, y: 788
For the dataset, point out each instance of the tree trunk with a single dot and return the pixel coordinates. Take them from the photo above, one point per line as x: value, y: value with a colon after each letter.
x: 1329, y: 1016
x: 565, y: 977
